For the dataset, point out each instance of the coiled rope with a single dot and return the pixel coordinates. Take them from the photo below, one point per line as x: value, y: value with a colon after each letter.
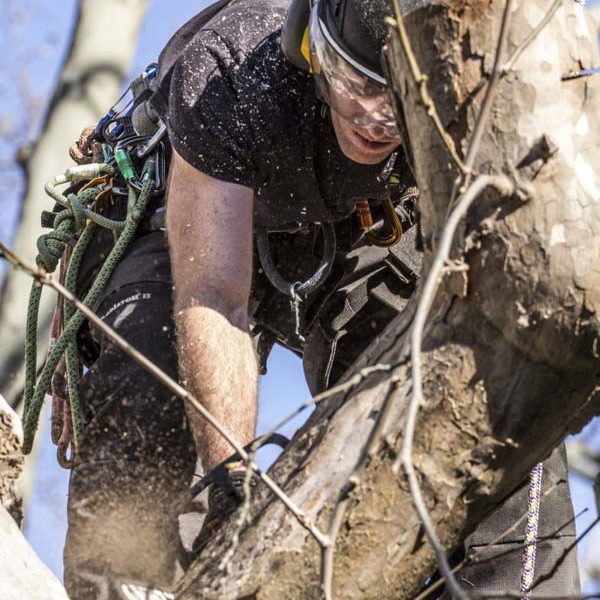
x: 76, y: 218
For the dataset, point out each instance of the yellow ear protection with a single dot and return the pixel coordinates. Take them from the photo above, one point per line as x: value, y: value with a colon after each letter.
x: 295, y: 42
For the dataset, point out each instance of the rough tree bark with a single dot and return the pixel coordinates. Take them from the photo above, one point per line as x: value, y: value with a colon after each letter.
x: 510, y: 352
x: 11, y: 460
x: 101, y: 49
x: 22, y: 573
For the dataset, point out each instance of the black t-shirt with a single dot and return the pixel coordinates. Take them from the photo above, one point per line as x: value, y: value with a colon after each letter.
x: 237, y: 110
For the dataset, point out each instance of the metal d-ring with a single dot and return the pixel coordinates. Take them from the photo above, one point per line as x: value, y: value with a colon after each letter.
x: 298, y: 290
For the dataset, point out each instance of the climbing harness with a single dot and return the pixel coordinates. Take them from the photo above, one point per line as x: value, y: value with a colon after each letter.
x: 298, y: 290
x: 131, y: 173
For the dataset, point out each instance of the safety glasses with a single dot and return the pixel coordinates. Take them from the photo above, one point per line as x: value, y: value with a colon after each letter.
x: 354, y: 92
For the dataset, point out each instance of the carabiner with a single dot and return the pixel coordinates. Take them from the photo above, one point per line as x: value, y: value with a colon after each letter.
x: 366, y: 221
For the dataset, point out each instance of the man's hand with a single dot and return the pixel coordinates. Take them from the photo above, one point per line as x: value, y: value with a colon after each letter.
x: 209, y: 224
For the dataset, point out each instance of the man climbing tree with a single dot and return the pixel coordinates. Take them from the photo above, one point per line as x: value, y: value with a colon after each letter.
x: 285, y: 151
x: 308, y: 169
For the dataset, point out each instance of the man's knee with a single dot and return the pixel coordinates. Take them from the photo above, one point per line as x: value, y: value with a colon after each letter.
x: 127, y: 535
x: 133, y: 467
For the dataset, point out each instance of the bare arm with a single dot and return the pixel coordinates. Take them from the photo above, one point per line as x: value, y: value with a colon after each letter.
x: 209, y: 223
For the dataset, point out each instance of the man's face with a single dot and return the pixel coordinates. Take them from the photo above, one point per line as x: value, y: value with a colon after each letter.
x: 361, y: 107
x: 367, y: 146
x: 358, y: 130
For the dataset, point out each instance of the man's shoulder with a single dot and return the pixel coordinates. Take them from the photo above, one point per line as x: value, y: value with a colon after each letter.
x: 240, y: 25
x: 233, y: 54
x: 231, y: 98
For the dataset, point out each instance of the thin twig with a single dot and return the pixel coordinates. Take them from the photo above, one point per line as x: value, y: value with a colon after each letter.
x: 519, y: 595
x: 421, y: 80
x: 502, y: 184
x: 520, y: 547
x: 45, y: 279
x: 531, y: 37
x: 561, y: 559
x: 242, y: 519
x: 341, y: 388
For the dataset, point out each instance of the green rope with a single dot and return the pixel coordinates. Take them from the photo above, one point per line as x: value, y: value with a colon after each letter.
x: 51, y: 247
x: 31, y: 344
x: 73, y: 366
x: 73, y: 202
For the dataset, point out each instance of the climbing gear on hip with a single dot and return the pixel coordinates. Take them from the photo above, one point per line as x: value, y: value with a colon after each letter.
x: 366, y: 222
x: 76, y: 218
x: 398, y: 215
x: 132, y: 171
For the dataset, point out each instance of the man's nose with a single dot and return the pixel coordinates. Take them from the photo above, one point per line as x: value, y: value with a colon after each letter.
x: 376, y: 132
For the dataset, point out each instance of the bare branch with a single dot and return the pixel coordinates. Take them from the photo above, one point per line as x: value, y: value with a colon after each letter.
x: 341, y: 388
x: 45, y: 279
x: 531, y: 37
x: 421, y: 81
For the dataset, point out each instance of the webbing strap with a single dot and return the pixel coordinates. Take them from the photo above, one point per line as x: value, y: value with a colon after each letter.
x: 355, y: 300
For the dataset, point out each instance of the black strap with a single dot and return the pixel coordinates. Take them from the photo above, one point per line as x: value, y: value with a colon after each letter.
x: 299, y: 289
x: 220, y: 474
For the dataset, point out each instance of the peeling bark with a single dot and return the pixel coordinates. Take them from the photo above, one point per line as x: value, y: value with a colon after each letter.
x: 510, y: 367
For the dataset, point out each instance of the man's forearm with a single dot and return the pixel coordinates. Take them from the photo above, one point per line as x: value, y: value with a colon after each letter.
x: 218, y: 365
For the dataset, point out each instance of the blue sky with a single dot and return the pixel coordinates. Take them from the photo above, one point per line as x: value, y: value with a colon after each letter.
x: 45, y: 28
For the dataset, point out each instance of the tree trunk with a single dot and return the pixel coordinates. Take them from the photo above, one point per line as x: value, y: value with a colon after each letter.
x: 510, y: 356
x: 102, y: 45
x: 11, y: 460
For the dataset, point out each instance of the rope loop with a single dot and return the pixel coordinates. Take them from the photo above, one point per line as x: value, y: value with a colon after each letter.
x: 77, y: 208
x: 51, y: 245
x: 298, y: 290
